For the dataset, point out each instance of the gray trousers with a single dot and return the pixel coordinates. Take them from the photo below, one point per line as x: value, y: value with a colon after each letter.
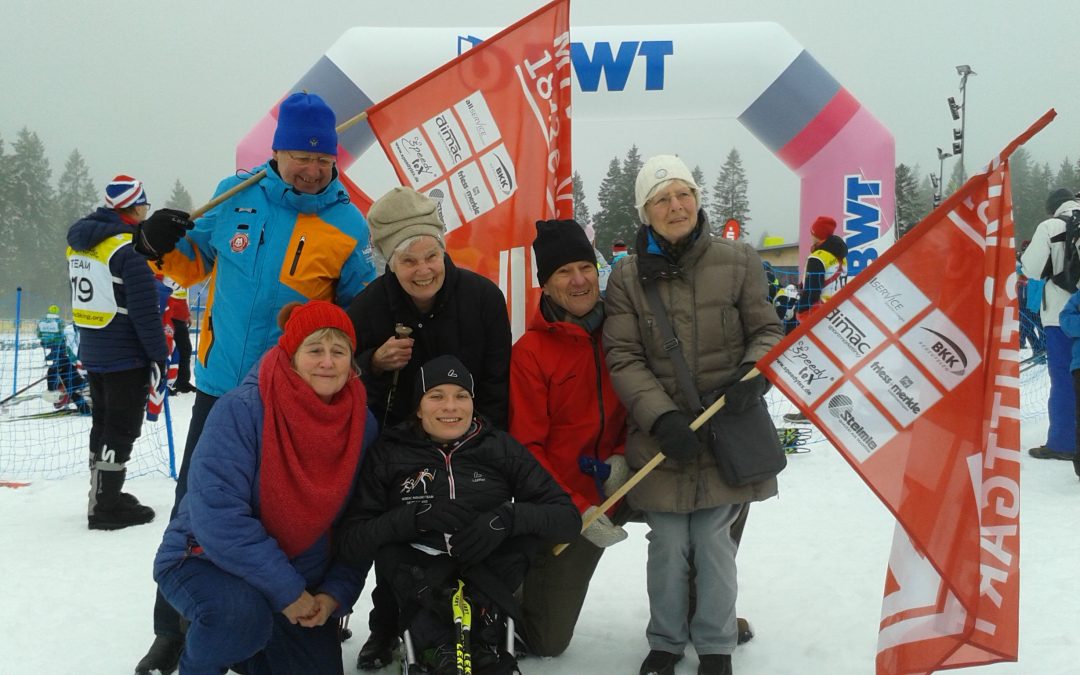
x: 677, y: 540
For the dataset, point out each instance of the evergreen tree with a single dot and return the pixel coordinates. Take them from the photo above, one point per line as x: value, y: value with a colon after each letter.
x: 581, y: 209
x: 180, y: 198
x: 618, y: 217
x: 1026, y: 199
x: 729, y: 195
x: 1066, y: 176
x: 907, y: 200
x: 699, y: 178
x: 604, y: 222
x: 925, y: 197
x: 39, y: 241
x: 8, y: 253
x: 956, y: 179
x: 75, y: 192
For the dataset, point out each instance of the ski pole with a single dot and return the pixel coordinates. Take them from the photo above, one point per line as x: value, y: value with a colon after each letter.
x: 401, y: 331
x: 652, y: 464
x: 463, y: 621
x: 38, y: 381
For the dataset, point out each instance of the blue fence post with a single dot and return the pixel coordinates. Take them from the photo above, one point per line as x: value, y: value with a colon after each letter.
x: 18, y: 320
x: 168, y: 435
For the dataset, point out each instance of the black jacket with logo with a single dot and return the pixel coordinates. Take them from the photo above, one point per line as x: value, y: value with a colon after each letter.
x: 468, y: 320
x: 486, y: 469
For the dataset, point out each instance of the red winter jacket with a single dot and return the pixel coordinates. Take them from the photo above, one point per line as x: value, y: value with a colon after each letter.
x: 562, y: 405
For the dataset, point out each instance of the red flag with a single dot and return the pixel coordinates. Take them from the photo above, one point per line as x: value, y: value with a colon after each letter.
x: 358, y: 197
x: 487, y: 136
x: 912, y: 371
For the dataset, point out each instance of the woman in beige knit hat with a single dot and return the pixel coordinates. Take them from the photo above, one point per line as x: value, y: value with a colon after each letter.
x: 447, y: 310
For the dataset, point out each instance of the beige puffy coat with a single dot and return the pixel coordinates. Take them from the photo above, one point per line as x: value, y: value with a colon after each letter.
x: 717, y: 302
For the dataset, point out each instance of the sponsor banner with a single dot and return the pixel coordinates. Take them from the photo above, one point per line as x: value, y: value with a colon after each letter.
x: 911, y: 370
x: 806, y: 369
x: 465, y: 133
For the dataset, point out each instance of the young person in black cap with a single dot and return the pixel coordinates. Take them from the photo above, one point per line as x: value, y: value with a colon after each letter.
x: 447, y: 496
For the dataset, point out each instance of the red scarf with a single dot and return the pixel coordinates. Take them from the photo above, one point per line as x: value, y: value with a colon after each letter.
x: 310, y: 451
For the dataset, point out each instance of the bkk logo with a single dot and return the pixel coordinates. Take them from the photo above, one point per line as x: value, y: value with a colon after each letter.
x: 947, y: 353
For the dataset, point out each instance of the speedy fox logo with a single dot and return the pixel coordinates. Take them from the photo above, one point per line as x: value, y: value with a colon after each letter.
x: 420, y: 479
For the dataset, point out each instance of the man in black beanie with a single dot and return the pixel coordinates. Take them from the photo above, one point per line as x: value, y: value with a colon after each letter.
x: 563, y: 409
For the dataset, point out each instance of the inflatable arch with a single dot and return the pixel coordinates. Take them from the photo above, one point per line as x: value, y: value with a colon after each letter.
x: 753, y: 72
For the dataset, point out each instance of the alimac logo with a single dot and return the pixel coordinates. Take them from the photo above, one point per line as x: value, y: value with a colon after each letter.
x: 947, y: 353
x: 840, y: 407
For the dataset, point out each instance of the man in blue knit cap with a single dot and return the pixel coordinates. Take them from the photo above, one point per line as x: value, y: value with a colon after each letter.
x: 294, y: 235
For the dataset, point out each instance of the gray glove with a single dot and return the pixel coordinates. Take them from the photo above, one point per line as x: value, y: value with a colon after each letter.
x: 620, y: 473
x: 602, y: 532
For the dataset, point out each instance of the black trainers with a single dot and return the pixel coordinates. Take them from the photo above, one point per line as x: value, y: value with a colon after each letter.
x: 659, y: 663
x: 796, y: 418
x: 377, y: 652
x: 1043, y: 452
x: 163, y: 657
x: 125, y: 512
x: 714, y: 664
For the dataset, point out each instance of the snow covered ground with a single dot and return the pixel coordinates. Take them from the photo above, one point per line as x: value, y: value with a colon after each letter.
x: 811, y: 572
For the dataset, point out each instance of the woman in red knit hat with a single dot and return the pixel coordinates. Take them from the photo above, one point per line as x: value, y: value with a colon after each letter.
x: 247, y: 559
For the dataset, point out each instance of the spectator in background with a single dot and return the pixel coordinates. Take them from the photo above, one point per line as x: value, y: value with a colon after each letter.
x: 1043, y: 257
x: 248, y: 558
x: 826, y: 273
x: 618, y: 251
x: 826, y: 266
x: 786, y: 302
x: 293, y: 236
x: 181, y: 317
x: 423, y: 307
x: 1070, y: 326
x: 114, y: 300
x: 62, y: 379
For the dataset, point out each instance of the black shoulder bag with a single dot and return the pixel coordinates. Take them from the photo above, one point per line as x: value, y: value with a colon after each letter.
x: 745, y: 444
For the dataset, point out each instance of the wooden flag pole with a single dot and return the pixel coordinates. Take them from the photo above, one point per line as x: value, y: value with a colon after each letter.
x: 652, y: 464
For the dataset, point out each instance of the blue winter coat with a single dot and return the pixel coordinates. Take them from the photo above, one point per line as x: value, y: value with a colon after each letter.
x: 131, y: 340
x: 1070, y: 325
x: 218, y: 518
x: 262, y: 248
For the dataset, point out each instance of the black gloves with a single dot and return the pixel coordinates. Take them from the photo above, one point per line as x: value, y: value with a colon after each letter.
x: 443, y: 515
x: 741, y: 394
x: 158, y: 234
x: 482, y: 536
x: 677, y: 441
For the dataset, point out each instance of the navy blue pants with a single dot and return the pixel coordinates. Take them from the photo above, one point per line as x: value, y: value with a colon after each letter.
x: 233, y: 626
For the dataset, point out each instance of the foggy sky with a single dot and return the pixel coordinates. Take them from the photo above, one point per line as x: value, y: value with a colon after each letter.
x: 163, y: 91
